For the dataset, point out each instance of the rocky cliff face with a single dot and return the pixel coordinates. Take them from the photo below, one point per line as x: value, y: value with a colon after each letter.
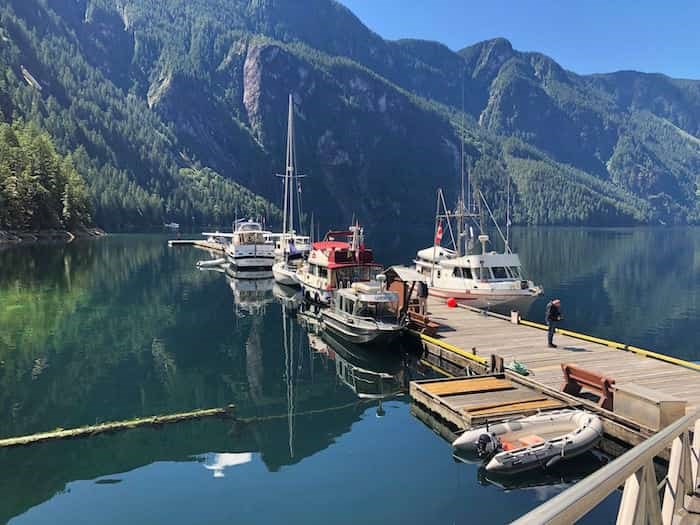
x: 378, y: 122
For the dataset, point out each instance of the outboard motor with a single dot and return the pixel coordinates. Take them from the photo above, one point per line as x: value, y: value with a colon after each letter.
x: 487, y: 444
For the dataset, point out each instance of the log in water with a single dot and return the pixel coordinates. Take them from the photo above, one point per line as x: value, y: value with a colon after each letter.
x: 115, y: 426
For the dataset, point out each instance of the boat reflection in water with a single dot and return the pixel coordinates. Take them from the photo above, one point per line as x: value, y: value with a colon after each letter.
x: 288, y: 296
x: 371, y: 374
x: 220, y: 462
x: 551, y: 480
x: 251, y: 296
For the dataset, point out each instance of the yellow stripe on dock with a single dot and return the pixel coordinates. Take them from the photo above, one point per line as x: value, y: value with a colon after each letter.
x: 453, y: 348
x: 616, y: 345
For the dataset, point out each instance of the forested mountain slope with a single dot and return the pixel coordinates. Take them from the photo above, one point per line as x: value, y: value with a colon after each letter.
x: 177, y: 111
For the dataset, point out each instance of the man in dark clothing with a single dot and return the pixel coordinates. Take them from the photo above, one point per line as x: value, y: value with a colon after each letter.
x: 422, y: 297
x: 552, y: 318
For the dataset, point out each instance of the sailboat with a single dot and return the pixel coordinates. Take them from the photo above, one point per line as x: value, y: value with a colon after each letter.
x: 484, y: 279
x: 290, y: 248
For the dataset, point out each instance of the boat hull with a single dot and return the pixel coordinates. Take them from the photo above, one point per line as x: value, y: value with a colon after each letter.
x: 360, y: 334
x: 246, y: 267
x: 486, y: 299
x: 283, y: 274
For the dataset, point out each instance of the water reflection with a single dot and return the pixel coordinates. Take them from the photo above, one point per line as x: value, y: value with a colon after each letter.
x: 127, y: 327
x: 218, y: 463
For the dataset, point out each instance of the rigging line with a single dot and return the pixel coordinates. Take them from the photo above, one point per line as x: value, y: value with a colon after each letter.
x: 508, y: 250
x: 449, y: 224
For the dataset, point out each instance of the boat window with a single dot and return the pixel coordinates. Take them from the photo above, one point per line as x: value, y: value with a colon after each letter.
x: 515, y: 272
x: 380, y: 311
x: 467, y: 273
x: 322, y: 272
x: 482, y: 273
x: 457, y: 272
x: 499, y: 272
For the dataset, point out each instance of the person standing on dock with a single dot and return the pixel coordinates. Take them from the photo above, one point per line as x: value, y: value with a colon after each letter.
x: 422, y: 298
x: 552, y: 317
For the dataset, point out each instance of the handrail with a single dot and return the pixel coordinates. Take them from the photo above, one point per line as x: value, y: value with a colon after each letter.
x: 575, y: 502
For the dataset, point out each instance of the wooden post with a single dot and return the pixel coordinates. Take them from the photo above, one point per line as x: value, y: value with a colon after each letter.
x: 515, y: 317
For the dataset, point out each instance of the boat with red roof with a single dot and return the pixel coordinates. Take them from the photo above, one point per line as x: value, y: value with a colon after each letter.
x: 337, y: 261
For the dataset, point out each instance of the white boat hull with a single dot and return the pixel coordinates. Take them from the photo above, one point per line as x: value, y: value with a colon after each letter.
x: 256, y: 267
x: 486, y: 298
x: 536, y: 441
x: 283, y: 274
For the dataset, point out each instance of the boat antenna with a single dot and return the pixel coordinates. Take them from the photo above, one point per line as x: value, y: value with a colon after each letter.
x: 437, y: 219
x: 311, y: 228
x: 508, y: 214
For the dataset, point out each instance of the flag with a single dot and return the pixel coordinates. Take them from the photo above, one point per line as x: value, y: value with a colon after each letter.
x: 438, y: 234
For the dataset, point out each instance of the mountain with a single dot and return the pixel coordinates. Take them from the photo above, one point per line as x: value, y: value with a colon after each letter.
x: 176, y: 110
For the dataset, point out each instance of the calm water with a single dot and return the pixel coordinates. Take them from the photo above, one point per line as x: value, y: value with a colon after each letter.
x: 125, y: 326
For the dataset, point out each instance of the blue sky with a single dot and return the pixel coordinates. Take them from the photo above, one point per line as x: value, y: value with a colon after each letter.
x: 592, y: 36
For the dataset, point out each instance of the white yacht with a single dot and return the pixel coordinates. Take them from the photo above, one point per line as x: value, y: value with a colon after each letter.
x: 249, y: 254
x: 365, y: 313
x: 290, y: 248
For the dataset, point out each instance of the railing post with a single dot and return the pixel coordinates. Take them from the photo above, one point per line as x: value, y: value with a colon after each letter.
x: 679, y: 482
x: 640, y: 503
x: 695, y: 455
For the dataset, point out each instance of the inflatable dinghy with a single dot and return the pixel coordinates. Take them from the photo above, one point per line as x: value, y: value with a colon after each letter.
x: 535, y: 441
x: 211, y: 263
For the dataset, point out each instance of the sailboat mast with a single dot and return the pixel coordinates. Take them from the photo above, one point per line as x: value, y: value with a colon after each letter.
x: 289, y: 170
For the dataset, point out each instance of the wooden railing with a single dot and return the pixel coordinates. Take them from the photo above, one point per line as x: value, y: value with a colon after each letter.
x: 640, y: 502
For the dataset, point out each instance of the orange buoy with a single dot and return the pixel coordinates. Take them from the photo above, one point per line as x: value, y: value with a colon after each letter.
x: 452, y: 302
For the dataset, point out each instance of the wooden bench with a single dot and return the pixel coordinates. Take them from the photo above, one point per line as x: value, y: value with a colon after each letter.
x: 576, y: 378
x: 423, y: 323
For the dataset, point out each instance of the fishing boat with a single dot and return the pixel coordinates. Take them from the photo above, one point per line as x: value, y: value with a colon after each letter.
x: 365, y: 312
x: 482, y: 280
x: 527, y: 443
x: 290, y: 247
x: 248, y: 253
x: 339, y: 259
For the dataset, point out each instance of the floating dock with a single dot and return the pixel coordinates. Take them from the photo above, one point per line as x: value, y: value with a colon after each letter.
x: 470, y: 341
x: 206, y: 245
x: 475, y: 400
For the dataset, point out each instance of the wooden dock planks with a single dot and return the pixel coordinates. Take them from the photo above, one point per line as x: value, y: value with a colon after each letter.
x: 490, y: 335
x: 470, y: 401
x: 469, y: 385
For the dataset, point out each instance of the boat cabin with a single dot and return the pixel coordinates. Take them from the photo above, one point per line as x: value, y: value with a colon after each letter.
x: 367, y: 300
x: 249, y: 233
x: 492, y: 267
